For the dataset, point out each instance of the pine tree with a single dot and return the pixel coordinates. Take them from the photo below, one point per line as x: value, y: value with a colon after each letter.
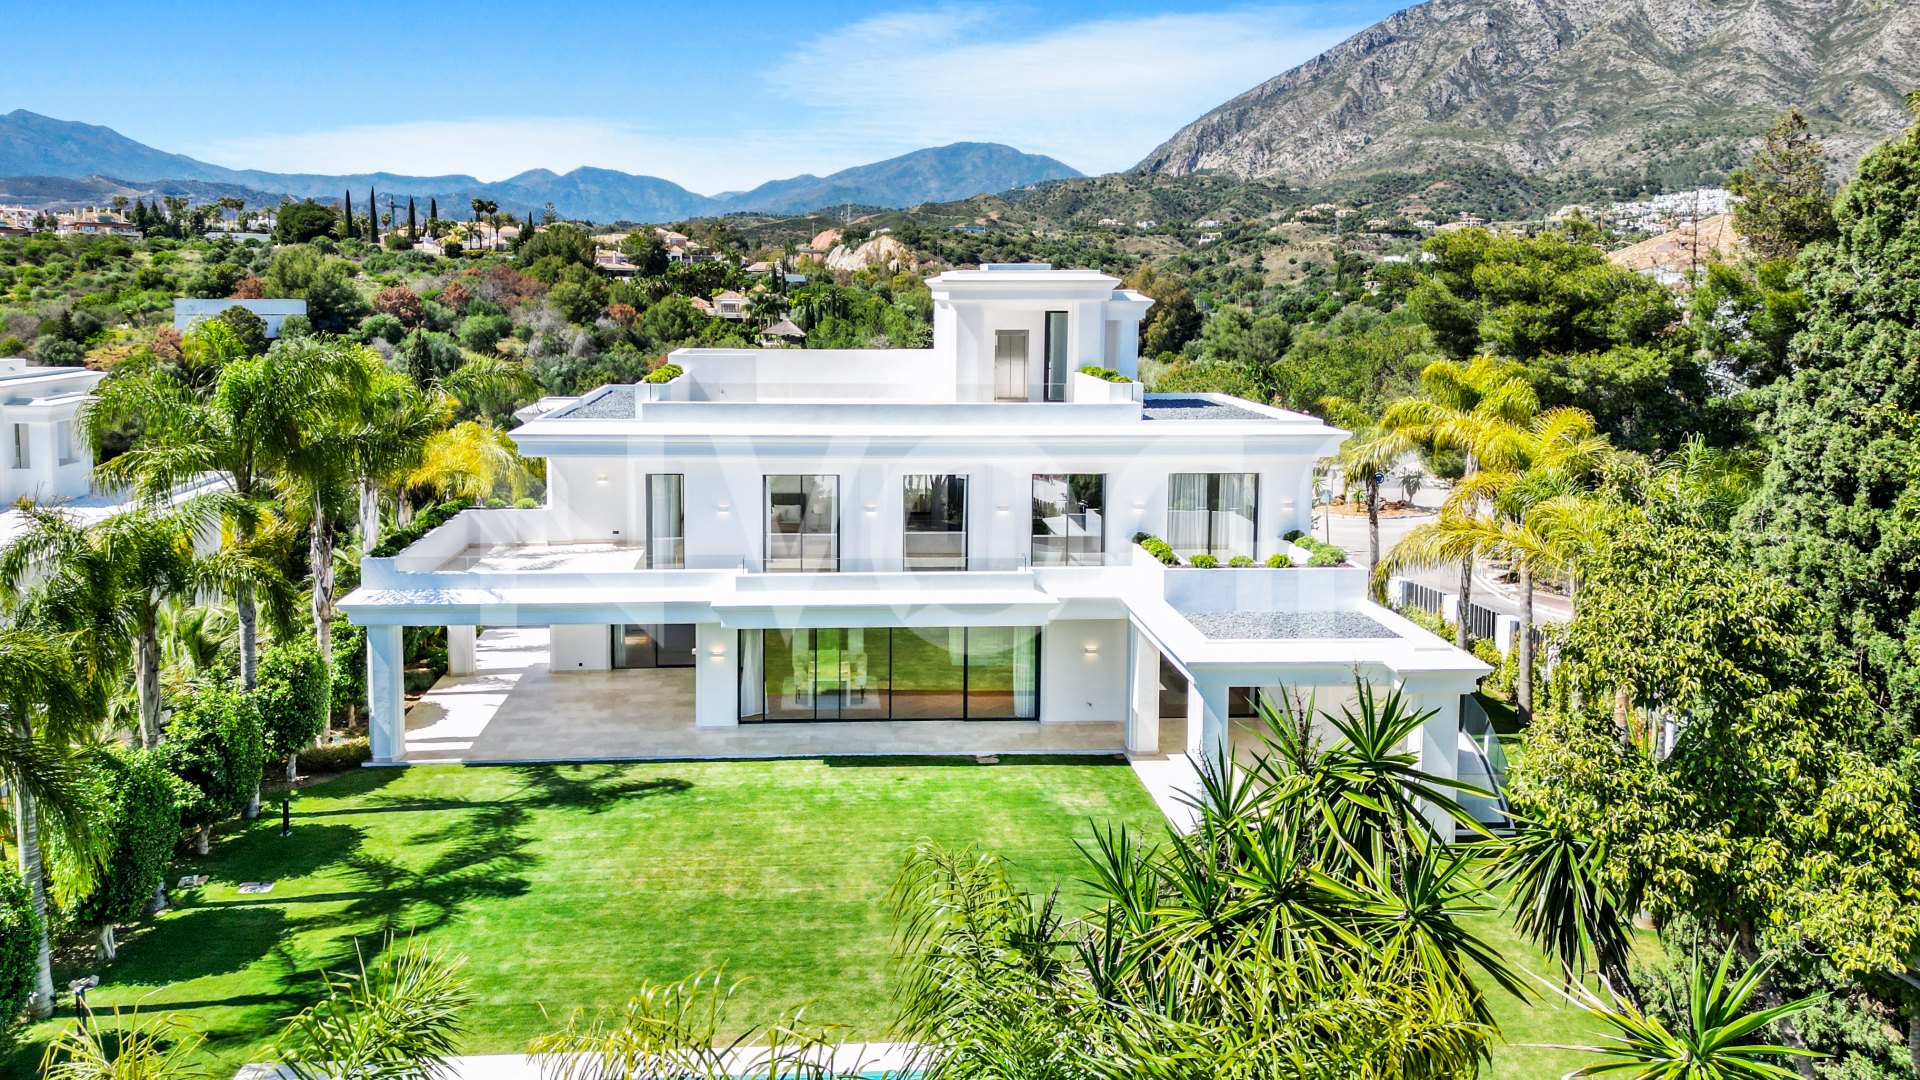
x: 1784, y: 204
x: 1839, y: 510
x: 413, y: 225
x: 346, y: 216
x: 373, y: 219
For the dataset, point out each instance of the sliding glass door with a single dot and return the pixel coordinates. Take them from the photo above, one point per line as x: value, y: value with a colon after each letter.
x: 1212, y: 514
x: 902, y: 673
x: 935, y: 529
x: 1069, y: 519
x: 803, y: 523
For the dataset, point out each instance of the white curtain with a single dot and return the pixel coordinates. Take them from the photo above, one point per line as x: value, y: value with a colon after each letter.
x: 1026, y: 684
x: 1187, y: 513
x: 753, y: 684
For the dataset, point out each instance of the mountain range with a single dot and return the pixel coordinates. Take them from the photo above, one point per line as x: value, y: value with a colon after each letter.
x: 1674, y: 90
x: 38, y: 152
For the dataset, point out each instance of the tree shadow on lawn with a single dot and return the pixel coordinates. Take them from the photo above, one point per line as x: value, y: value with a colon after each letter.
x: 950, y: 761
x: 593, y: 788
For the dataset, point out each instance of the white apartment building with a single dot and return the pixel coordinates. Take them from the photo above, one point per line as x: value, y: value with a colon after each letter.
x: 793, y: 551
x: 46, y: 459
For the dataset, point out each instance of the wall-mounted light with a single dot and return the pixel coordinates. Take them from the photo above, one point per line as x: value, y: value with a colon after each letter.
x: 1003, y: 508
x: 723, y: 507
x: 871, y: 507
x: 601, y: 478
x: 1092, y: 650
x: 1139, y: 504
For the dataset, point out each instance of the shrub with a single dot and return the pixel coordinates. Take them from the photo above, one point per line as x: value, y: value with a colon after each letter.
x: 139, y: 822
x: 1278, y: 561
x: 293, y: 695
x: 1160, y: 549
x: 665, y: 373
x: 1104, y: 373
x: 1204, y: 562
x: 19, y: 950
x: 1327, y: 555
x: 1240, y: 562
x: 1293, y: 535
x: 295, y: 326
x: 348, y: 679
x: 216, y: 749
x: 335, y: 757
x: 1140, y: 537
x: 526, y: 504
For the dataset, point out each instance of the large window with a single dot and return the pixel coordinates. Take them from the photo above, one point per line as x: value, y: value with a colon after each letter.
x: 1010, y: 365
x: 877, y: 673
x: 666, y: 522
x: 22, y: 454
x: 803, y: 523
x: 935, y: 536
x: 1057, y: 364
x: 1069, y: 519
x: 653, y: 645
x: 1211, y: 514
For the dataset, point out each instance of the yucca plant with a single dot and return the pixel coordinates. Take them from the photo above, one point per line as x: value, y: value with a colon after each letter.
x: 132, y: 1048
x: 1720, y: 1040
x: 395, y: 1018
x: 681, y: 1031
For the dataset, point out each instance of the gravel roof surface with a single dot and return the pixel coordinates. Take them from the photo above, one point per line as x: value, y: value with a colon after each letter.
x: 1193, y: 408
x: 1273, y: 625
x: 615, y: 404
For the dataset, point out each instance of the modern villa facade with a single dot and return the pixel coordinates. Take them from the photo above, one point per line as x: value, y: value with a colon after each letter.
x: 909, y: 541
x: 46, y: 458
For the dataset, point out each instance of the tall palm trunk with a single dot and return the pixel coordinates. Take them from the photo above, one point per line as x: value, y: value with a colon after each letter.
x: 320, y: 553
x: 1460, y: 635
x: 1523, y: 684
x: 369, y: 517
x: 245, y: 610
x: 1379, y: 584
x: 146, y: 678
x: 33, y: 871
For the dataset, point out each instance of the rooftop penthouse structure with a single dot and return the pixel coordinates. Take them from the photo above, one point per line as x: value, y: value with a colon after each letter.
x: 795, y: 551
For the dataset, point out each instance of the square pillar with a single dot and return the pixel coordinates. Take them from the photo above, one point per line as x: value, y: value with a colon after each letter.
x: 386, y: 694
x: 1207, y: 729
x: 1437, y: 742
x: 716, y: 677
x: 462, y: 646
x: 1143, y: 699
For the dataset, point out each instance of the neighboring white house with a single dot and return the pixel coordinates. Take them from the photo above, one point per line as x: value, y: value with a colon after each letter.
x: 187, y: 311
x: 785, y: 546
x: 45, y: 458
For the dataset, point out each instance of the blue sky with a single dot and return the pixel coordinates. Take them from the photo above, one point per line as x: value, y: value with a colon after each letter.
x: 712, y: 96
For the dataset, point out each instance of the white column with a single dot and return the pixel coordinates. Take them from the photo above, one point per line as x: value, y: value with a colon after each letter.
x: 1207, y: 731
x: 1143, y: 705
x: 1438, y: 741
x: 386, y: 694
x: 461, y: 649
x: 716, y: 677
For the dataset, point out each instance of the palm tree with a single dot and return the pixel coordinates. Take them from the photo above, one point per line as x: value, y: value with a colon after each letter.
x: 224, y: 429
x: 491, y: 384
x: 48, y: 708
x: 1560, y: 899
x: 1717, y: 1040
x: 471, y: 460
x: 1365, y: 459
x: 1479, y: 409
x: 105, y: 584
x: 386, y: 441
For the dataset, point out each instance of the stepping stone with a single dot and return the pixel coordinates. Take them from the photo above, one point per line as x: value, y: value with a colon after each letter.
x: 987, y: 759
x: 192, y: 881
x: 256, y: 886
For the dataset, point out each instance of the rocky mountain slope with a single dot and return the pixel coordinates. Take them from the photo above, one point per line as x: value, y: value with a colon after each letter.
x: 1679, y: 89
x: 42, y: 147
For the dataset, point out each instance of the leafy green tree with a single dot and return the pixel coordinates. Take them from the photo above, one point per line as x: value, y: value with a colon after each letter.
x: 1839, y: 509
x: 294, y: 699
x: 216, y: 751
x: 303, y: 222
x: 1173, y: 320
x: 1744, y: 319
x: 648, y: 253
x: 1784, y: 205
x: 250, y: 329
x: 137, y: 817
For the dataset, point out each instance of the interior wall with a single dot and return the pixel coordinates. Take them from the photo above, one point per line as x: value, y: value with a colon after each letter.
x: 580, y: 647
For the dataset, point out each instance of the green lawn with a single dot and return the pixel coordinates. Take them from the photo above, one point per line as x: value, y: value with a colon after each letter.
x: 565, y: 886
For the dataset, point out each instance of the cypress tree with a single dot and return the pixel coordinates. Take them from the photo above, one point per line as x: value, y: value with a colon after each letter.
x: 433, y: 208
x: 1838, y: 512
x: 413, y: 226
x: 346, y: 216
x: 373, y: 218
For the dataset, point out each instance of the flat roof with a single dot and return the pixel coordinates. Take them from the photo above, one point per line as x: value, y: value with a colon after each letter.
x: 1286, y: 625
x: 1190, y: 407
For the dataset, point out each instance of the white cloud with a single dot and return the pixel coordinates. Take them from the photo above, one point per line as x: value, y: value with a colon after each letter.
x: 1097, y: 94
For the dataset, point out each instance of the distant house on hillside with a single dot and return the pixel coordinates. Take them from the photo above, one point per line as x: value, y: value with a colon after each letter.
x: 611, y: 261
x: 730, y: 305
x: 701, y: 305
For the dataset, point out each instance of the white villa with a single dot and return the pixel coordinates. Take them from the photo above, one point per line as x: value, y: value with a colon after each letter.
x: 800, y: 552
x: 46, y: 459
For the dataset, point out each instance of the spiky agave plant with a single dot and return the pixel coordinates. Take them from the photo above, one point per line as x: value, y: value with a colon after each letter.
x: 683, y: 1030
x: 395, y: 1018
x: 1720, y: 1040
x: 132, y: 1047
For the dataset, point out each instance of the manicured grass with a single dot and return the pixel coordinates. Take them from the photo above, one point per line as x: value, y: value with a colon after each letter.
x: 565, y: 886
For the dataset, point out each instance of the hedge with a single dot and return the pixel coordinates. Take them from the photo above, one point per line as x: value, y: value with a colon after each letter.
x: 335, y: 757
x: 19, y: 951
x: 423, y: 523
x: 1104, y: 373
x: 665, y: 373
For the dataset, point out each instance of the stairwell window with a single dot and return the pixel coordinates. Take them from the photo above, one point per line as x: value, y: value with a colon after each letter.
x: 1069, y: 519
x: 803, y: 523
x: 935, y: 529
x: 1057, y: 366
x: 63, y: 442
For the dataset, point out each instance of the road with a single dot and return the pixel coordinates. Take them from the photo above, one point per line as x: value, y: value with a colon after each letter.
x: 1349, y: 530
